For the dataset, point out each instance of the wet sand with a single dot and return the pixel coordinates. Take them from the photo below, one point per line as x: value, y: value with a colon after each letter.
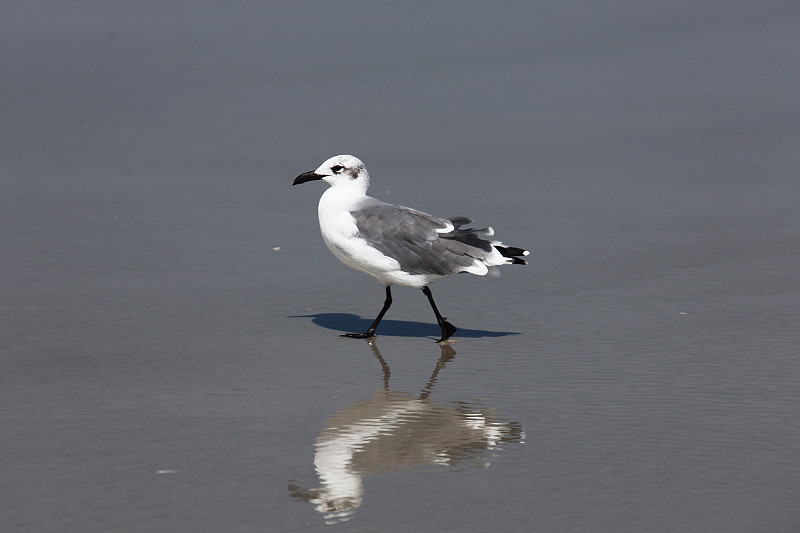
x: 170, y: 316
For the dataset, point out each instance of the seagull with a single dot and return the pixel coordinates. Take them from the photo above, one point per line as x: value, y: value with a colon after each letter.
x: 398, y: 245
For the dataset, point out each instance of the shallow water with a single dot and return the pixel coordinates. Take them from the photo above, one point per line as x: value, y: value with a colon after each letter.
x: 171, y: 355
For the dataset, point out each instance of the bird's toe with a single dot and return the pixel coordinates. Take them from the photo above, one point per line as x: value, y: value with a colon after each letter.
x: 365, y: 335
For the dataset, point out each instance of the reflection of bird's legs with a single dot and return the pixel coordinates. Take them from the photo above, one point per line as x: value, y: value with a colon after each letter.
x: 371, y: 331
x: 448, y: 353
x: 387, y: 372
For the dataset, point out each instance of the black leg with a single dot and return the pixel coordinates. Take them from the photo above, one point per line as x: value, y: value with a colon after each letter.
x: 447, y: 328
x: 371, y: 331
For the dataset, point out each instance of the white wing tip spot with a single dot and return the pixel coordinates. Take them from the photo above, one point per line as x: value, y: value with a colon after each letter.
x: 447, y: 229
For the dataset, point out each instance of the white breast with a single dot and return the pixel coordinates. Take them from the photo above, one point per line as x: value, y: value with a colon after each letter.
x: 340, y: 233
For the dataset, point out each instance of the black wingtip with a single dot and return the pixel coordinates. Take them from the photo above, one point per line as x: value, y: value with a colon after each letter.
x: 513, y: 253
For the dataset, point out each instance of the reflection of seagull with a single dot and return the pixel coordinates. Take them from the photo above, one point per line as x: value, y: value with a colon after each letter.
x: 394, y: 431
x: 396, y: 244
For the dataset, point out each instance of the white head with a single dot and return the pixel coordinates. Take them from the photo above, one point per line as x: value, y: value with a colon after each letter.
x: 339, y: 171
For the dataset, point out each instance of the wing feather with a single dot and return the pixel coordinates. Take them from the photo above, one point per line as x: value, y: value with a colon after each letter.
x: 416, y: 241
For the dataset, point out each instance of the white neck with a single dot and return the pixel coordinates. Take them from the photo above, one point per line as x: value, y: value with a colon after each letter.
x: 342, y: 198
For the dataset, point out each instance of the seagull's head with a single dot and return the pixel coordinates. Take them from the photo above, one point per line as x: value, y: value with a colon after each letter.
x: 339, y: 171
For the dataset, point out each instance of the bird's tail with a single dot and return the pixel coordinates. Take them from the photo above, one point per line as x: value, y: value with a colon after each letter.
x: 513, y: 253
x: 480, y: 238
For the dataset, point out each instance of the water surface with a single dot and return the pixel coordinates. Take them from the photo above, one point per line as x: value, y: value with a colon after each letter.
x: 170, y: 316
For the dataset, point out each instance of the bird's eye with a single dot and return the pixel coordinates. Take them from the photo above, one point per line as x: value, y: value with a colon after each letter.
x: 337, y: 168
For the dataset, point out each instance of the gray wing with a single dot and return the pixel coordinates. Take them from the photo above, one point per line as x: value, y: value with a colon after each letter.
x: 410, y: 237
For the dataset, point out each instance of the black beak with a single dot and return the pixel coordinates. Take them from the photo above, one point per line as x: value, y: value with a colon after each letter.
x: 307, y: 176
